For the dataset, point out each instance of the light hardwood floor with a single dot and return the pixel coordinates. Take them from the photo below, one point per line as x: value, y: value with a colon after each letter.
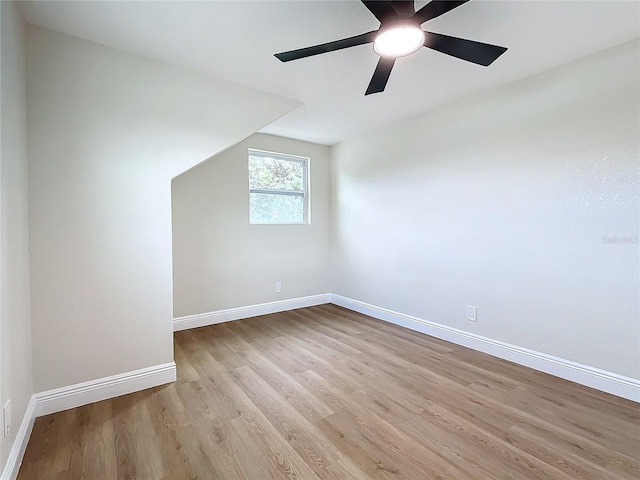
x: 327, y: 393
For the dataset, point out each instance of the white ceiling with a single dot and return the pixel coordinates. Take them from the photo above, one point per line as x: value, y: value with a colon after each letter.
x: 236, y: 40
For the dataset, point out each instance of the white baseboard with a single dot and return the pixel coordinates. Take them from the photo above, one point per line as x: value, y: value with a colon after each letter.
x: 79, y: 394
x: 59, y: 399
x: 220, y: 316
x: 12, y: 467
x: 602, y: 380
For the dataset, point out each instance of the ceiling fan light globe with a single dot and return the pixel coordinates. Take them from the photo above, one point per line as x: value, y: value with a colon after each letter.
x: 399, y: 41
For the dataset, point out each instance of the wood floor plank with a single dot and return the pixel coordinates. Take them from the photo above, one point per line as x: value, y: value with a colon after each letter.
x: 327, y: 393
x: 300, y: 433
x: 300, y: 398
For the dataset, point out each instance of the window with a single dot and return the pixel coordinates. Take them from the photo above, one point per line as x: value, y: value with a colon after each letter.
x: 278, y: 188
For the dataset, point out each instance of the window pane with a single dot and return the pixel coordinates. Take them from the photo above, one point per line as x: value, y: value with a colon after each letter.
x: 273, y: 208
x: 275, y: 174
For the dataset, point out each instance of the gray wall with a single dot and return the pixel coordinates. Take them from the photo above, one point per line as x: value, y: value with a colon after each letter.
x: 220, y: 260
x: 15, y: 325
x: 506, y: 201
x: 107, y: 132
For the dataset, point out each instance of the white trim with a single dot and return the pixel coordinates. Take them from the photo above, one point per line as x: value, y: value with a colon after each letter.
x: 12, y: 467
x: 220, y: 316
x: 79, y: 394
x: 602, y: 380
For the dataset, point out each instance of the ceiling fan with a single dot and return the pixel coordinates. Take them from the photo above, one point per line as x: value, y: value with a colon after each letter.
x: 400, y: 34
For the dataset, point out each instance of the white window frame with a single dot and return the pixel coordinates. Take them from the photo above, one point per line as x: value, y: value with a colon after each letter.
x: 305, y: 161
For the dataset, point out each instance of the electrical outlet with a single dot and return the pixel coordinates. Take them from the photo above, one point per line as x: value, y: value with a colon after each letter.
x: 278, y: 287
x: 6, y: 419
x: 471, y: 314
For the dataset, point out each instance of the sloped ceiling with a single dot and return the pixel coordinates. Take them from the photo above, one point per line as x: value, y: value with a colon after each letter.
x: 236, y: 40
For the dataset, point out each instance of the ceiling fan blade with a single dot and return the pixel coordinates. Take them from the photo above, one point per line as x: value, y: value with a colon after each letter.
x: 435, y: 8
x: 380, y: 75
x: 383, y: 10
x: 476, y: 52
x: 326, y: 47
